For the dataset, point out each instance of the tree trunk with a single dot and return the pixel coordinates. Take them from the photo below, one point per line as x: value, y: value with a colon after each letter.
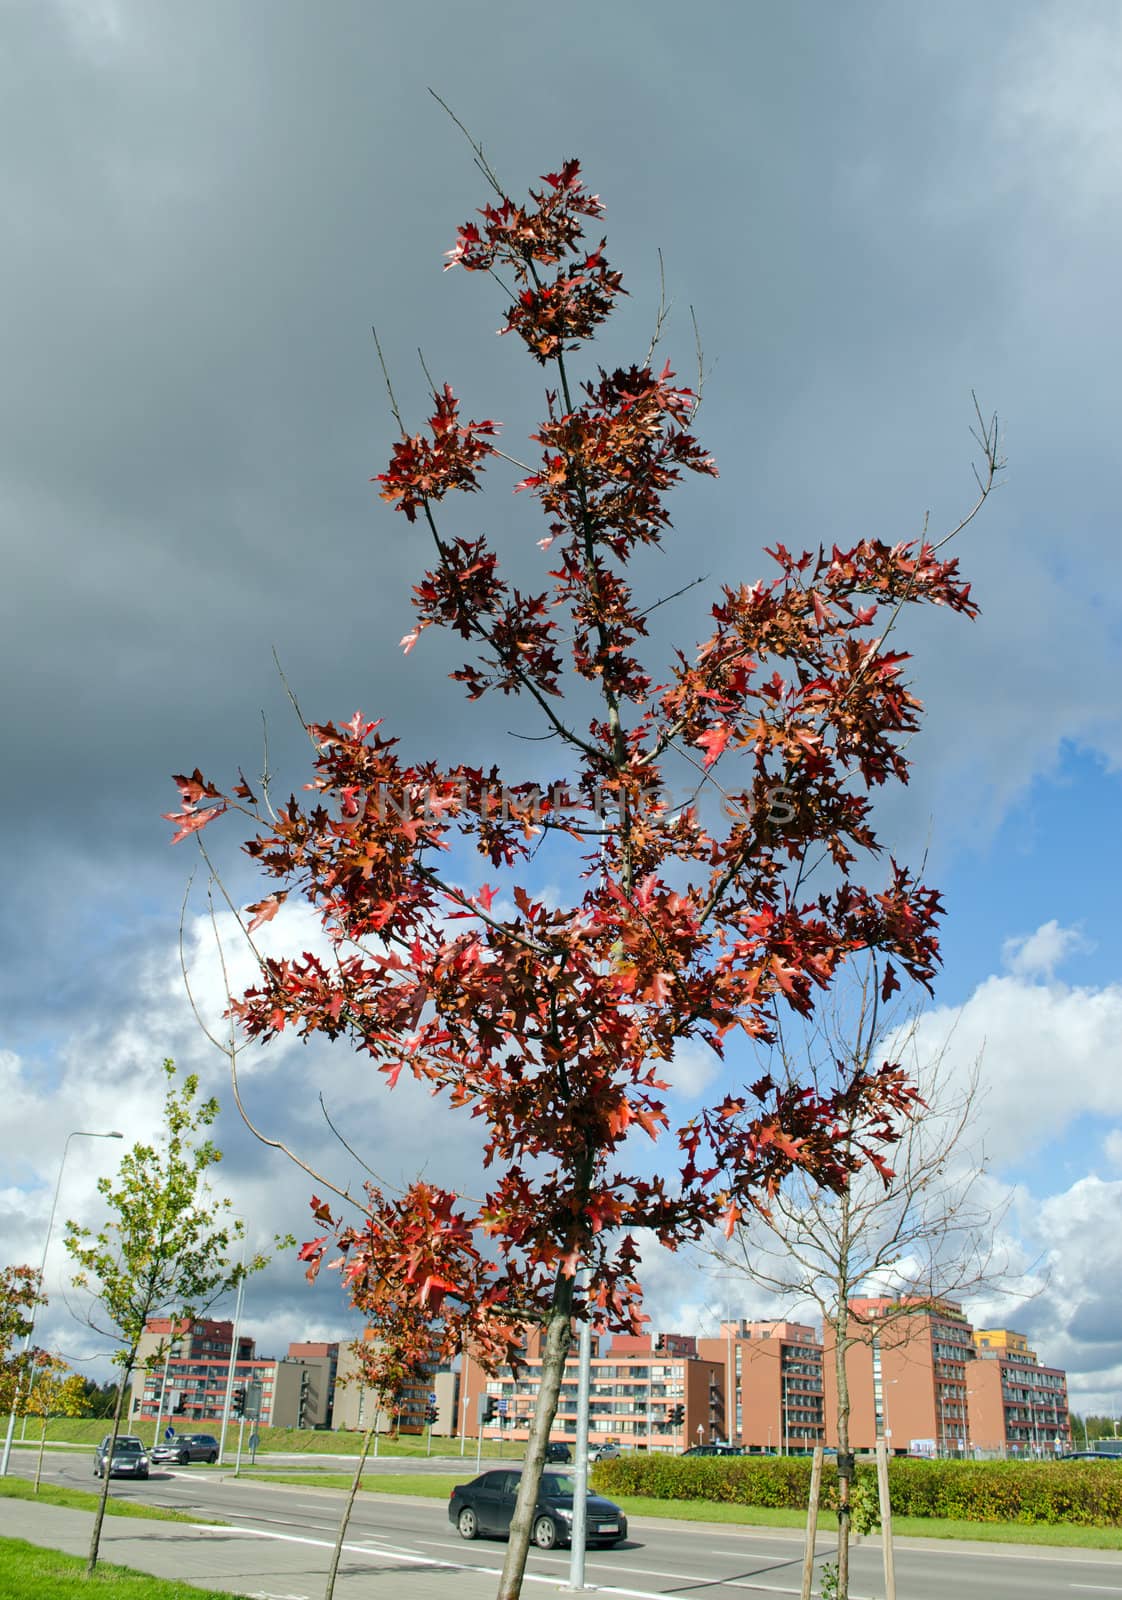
x: 347, y: 1509
x: 845, y: 1459
x: 42, y: 1447
x: 99, y: 1515
x: 558, y: 1338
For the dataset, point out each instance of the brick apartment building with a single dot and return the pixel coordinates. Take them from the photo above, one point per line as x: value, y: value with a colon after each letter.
x: 1017, y: 1406
x: 637, y: 1381
x: 773, y: 1371
x: 187, y: 1386
x: 907, y: 1377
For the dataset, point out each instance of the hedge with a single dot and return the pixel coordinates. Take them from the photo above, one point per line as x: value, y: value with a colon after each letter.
x: 1084, y: 1492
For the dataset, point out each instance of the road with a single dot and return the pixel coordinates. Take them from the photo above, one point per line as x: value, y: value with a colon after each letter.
x: 395, y: 1537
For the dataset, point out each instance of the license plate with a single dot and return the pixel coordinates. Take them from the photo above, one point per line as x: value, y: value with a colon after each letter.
x: 607, y: 1527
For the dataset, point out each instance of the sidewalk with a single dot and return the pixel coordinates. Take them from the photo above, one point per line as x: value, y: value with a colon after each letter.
x: 265, y: 1567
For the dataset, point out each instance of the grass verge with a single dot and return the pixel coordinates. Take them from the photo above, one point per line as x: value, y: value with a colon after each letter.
x: 305, y: 1441
x: 435, y: 1486
x: 82, y: 1500
x: 30, y: 1573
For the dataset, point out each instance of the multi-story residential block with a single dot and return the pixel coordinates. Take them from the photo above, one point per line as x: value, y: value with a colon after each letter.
x: 638, y: 1382
x: 1017, y: 1407
x: 906, y: 1376
x: 188, y: 1384
x: 357, y: 1406
x: 773, y: 1372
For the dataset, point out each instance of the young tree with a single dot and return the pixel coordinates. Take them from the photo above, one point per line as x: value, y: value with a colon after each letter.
x: 165, y: 1248
x: 549, y: 1023
x: 20, y: 1296
x: 406, y: 1337
x: 54, y: 1391
x: 921, y: 1231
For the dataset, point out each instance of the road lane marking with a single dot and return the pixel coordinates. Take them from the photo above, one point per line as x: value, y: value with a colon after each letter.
x: 531, y: 1577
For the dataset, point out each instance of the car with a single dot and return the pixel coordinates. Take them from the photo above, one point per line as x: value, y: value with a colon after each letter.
x: 486, y: 1505
x: 185, y: 1447
x: 1091, y: 1455
x: 558, y: 1450
x: 604, y: 1452
x: 129, y: 1460
x: 714, y: 1450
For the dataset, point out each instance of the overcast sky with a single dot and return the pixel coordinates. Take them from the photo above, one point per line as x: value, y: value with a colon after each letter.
x: 873, y: 210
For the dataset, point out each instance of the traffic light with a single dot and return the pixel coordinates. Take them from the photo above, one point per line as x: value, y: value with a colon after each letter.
x: 486, y: 1407
x: 660, y: 1342
x: 238, y: 1409
x: 678, y: 1415
x: 431, y: 1413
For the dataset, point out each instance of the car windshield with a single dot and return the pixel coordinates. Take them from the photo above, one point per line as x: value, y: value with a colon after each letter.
x: 129, y: 1446
x: 559, y: 1483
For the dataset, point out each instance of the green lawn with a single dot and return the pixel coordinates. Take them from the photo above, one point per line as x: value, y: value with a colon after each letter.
x: 438, y: 1486
x: 29, y: 1573
x: 83, y: 1500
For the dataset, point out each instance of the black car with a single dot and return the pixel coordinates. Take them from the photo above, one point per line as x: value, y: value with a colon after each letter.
x: 558, y: 1450
x: 130, y: 1459
x: 714, y: 1450
x: 185, y: 1447
x: 486, y: 1505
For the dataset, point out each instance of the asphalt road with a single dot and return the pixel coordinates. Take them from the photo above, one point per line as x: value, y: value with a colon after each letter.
x: 398, y: 1538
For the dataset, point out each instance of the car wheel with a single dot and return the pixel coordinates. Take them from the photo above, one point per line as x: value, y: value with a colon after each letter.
x: 213, y: 1457
x: 467, y: 1524
x: 183, y: 1460
x: 142, y: 1475
x: 545, y: 1533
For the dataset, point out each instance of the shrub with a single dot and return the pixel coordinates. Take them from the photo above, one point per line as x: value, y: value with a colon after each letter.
x: 1085, y: 1492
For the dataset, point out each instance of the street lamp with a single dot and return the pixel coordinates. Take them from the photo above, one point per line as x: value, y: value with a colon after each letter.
x: 78, y: 1133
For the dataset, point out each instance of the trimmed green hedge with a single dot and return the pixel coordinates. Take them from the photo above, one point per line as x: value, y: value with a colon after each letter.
x: 1088, y: 1493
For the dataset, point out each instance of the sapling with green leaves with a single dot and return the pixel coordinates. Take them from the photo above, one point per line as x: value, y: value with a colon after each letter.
x: 167, y: 1246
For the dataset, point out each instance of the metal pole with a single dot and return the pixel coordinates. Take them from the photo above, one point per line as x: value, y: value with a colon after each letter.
x: 233, y: 1356
x: 160, y: 1401
x: 580, y: 1464
x: 78, y: 1133
x: 885, y: 1521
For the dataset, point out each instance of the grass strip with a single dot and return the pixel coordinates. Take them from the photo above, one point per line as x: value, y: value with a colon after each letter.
x: 51, y: 1494
x: 28, y: 1572
x: 434, y: 1486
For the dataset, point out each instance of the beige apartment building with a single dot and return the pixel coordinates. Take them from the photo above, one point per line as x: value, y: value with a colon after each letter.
x: 638, y: 1382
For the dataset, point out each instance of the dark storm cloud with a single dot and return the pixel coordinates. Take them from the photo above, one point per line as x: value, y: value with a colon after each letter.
x: 871, y: 210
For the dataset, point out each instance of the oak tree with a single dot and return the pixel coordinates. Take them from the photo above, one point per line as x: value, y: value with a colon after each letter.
x: 551, y: 1024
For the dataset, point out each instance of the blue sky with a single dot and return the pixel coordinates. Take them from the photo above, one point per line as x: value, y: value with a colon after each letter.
x: 873, y: 211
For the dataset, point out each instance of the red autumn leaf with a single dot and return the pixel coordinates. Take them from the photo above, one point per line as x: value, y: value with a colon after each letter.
x: 266, y: 910
x: 713, y: 742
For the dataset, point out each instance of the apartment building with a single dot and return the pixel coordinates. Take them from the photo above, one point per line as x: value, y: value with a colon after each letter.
x: 188, y: 1382
x: 637, y: 1384
x: 1017, y: 1406
x: 773, y: 1372
x: 906, y: 1374
x: 357, y: 1407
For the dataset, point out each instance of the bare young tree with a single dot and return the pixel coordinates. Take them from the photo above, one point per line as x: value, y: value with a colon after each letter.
x: 918, y: 1225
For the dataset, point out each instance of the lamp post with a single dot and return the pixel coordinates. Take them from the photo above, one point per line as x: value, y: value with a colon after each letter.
x: 78, y: 1133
